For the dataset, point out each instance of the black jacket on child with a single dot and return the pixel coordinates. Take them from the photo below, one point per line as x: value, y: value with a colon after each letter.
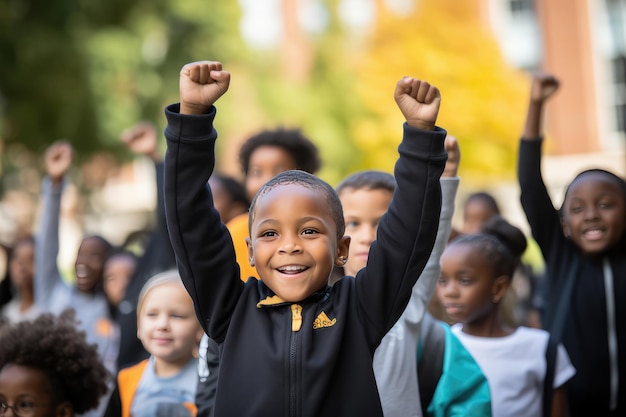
x: 272, y: 364
x: 585, y: 331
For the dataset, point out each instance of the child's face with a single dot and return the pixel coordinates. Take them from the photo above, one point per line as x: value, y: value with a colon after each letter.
x: 30, y: 390
x: 293, y: 241
x: 466, y: 288
x: 89, y: 264
x: 167, y: 324
x: 224, y: 203
x: 21, y: 265
x: 475, y: 213
x: 362, y: 210
x: 118, y: 271
x: 221, y: 199
x: 265, y: 163
x: 593, y: 213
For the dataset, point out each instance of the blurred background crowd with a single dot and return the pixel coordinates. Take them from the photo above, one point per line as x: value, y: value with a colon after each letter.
x: 85, y: 71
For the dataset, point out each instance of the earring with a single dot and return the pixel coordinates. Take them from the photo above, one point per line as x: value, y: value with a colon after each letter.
x: 496, y: 300
x: 251, y: 261
x: 343, y: 260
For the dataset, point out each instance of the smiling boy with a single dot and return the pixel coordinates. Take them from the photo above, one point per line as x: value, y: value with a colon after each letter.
x: 291, y: 344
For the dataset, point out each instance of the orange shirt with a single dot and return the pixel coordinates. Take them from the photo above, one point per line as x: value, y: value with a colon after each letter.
x: 238, y: 228
x: 127, y: 383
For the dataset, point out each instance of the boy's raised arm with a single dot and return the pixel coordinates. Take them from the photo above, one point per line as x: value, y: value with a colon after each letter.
x: 202, y: 244
x: 201, y: 84
x: 419, y: 102
x: 406, y: 233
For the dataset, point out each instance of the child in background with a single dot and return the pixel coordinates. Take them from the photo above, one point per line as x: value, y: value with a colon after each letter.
x: 270, y: 152
x: 478, y: 208
x: 85, y: 296
x: 365, y: 198
x: 157, y: 255
x: 21, y: 266
x: 51, y: 292
x: 476, y: 271
x: 584, y: 247
x: 292, y: 344
x: 164, y: 384
x: 229, y: 197
x: 519, y: 306
x: 263, y: 156
x: 47, y: 368
x: 118, y: 271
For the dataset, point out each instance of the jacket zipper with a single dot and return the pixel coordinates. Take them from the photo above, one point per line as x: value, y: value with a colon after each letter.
x: 296, y: 324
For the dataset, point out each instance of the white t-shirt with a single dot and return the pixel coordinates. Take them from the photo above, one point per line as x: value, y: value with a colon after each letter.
x: 11, y: 312
x: 515, y: 367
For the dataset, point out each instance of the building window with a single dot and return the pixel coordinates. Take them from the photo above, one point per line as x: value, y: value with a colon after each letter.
x: 517, y: 30
x: 616, y: 16
x: 521, y: 7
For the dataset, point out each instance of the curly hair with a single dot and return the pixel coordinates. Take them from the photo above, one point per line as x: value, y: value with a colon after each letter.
x: 54, y: 345
x: 293, y: 141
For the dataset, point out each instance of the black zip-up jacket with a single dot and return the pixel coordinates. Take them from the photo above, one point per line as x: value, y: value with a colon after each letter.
x: 586, y: 332
x: 312, y: 358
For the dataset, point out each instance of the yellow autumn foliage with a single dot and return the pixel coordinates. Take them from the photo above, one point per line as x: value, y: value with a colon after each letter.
x: 483, y: 98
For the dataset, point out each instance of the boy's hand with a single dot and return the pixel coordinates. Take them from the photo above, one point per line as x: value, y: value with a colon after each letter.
x: 141, y: 139
x: 454, y: 157
x: 543, y: 86
x: 419, y: 102
x: 201, y: 84
x: 57, y: 160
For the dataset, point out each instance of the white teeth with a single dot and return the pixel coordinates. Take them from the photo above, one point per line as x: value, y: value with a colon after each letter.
x: 81, y: 271
x: 291, y: 268
x: 593, y: 234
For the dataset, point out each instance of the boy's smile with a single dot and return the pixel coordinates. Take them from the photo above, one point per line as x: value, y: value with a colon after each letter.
x: 294, y: 241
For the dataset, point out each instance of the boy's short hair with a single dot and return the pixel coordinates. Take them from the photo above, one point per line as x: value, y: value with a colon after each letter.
x: 171, y: 276
x: 308, y: 181
x: 368, y: 180
x: 54, y: 346
x: 293, y: 141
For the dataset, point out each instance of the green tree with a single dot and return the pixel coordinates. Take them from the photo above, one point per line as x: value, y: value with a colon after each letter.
x: 86, y: 70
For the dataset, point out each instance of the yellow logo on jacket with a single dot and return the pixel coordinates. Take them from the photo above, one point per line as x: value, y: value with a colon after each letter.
x: 322, y: 320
